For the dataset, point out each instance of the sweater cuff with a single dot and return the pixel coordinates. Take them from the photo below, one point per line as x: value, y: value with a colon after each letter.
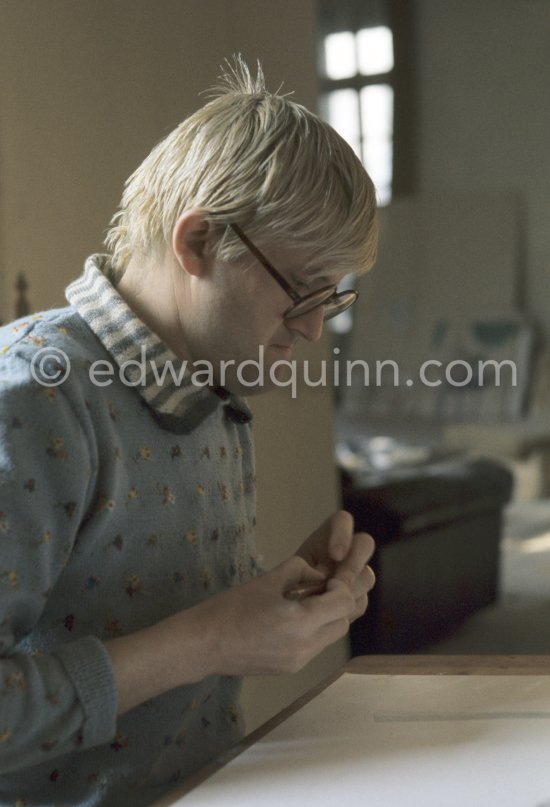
x: 88, y: 665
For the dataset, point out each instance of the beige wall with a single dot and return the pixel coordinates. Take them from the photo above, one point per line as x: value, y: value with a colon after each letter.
x: 297, y: 491
x: 87, y: 87
x: 484, y: 117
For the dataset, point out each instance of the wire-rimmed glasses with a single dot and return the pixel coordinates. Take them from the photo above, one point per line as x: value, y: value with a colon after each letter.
x: 333, y: 301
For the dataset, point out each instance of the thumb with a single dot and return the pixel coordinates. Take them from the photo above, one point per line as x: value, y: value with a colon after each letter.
x: 341, y: 535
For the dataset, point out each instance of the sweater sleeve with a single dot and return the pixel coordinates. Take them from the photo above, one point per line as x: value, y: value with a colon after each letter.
x: 53, y: 700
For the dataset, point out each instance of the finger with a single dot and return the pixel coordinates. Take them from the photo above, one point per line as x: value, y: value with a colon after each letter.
x: 370, y: 578
x: 341, y: 535
x: 336, y: 603
x: 293, y: 571
x: 362, y: 549
x: 361, y: 606
x: 364, y: 584
x: 330, y: 633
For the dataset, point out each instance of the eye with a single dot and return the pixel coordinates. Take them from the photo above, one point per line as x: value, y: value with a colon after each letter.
x: 317, y: 282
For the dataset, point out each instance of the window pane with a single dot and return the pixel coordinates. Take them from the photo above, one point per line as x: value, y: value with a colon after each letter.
x: 344, y: 321
x: 340, y: 59
x: 343, y: 114
x: 378, y: 160
x: 377, y: 111
x: 375, y: 50
x: 383, y: 195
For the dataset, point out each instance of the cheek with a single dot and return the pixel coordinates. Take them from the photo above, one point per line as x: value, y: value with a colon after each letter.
x: 256, y: 317
x: 245, y: 312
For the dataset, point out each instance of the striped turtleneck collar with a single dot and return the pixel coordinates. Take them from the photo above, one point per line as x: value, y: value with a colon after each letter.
x: 148, y: 364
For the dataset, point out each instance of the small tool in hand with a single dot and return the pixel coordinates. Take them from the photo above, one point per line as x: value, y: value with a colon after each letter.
x: 306, y: 589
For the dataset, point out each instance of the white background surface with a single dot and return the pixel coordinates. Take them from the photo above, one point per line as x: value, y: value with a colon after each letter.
x: 419, y: 741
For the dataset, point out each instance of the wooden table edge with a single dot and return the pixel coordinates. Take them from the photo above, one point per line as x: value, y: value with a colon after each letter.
x: 426, y: 664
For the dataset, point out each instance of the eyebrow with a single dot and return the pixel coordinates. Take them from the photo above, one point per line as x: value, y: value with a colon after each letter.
x: 324, y: 279
x: 297, y: 281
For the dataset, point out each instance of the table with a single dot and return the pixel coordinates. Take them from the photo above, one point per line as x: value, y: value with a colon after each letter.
x: 435, y: 731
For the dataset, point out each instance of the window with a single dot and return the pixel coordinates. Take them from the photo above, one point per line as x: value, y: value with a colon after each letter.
x: 358, y: 98
x: 366, y: 69
x: 366, y: 73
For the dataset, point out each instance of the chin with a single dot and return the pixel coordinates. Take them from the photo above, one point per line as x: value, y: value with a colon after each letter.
x: 256, y: 377
x: 236, y: 388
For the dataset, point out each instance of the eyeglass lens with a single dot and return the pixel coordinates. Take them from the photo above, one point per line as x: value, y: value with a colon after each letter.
x: 334, y: 303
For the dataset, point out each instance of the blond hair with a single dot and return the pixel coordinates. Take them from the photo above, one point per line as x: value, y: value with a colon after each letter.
x: 260, y: 160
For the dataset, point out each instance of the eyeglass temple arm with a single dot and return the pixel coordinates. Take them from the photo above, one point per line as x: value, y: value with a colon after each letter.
x: 265, y: 263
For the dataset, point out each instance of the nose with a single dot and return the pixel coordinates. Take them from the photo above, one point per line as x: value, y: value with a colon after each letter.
x: 309, y: 325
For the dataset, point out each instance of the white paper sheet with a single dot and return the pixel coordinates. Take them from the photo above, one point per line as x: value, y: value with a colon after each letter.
x: 400, y: 741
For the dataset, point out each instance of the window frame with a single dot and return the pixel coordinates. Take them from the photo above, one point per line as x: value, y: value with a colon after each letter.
x: 336, y: 16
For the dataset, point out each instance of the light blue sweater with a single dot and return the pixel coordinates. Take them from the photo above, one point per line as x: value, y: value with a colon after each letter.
x: 119, y: 505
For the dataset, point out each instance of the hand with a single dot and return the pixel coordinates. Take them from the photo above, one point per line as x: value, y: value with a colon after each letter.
x: 246, y: 630
x: 255, y: 629
x: 340, y: 554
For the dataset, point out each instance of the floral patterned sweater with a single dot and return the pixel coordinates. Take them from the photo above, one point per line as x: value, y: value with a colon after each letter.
x: 126, y: 494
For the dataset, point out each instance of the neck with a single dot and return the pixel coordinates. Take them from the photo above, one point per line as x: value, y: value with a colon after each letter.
x: 148, y: 289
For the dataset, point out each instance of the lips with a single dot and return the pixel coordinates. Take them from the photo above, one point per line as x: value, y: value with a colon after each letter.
x: 283, y: 348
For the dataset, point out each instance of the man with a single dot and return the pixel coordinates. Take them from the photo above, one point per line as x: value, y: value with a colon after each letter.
x: 131, y: 599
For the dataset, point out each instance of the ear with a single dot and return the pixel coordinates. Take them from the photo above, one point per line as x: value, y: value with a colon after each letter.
x: 190, y: 240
